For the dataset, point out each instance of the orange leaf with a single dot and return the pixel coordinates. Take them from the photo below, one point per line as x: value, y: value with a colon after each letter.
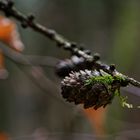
x: 3, y: 136
x: 9, y: 34
x: 97, y: 119
x: 1, y: 60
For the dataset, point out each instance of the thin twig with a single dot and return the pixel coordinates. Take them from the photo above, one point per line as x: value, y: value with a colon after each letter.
x: 34, y: 72
x: 31, y: 60
x: 28, y: 21
x: 35, y: 61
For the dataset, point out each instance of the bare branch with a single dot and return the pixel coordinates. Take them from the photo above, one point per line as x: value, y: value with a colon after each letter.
x: 28, y: 21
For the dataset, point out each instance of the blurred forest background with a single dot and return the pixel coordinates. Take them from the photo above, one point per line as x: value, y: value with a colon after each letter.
x: 109, y: 27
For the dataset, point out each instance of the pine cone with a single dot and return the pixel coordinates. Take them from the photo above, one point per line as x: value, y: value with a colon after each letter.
x: 75, y: 90
x: 75, y: 63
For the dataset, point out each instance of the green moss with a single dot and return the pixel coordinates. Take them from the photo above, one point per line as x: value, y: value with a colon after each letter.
x: 107, y: 79
x: 119, y: 78
x: 123, y: 100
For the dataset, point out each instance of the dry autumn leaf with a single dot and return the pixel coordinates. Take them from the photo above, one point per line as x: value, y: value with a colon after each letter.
x: 8, y: 35
x: 96, y: 119
x: 3, y: 136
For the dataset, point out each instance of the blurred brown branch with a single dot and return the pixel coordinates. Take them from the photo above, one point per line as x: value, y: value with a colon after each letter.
x: 28, y: 21
x: 31, y: 60
x: 35, y: 72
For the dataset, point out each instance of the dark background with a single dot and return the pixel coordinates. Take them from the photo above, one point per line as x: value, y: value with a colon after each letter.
x: 109, y: 27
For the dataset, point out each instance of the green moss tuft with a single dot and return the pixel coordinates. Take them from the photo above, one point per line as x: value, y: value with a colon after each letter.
x: 123, y: 100
x: 107, y: 79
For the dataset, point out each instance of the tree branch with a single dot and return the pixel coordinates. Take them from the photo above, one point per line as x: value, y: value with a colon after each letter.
x: 29, y: 21
x: 31, y: 60
x: 35, y: 73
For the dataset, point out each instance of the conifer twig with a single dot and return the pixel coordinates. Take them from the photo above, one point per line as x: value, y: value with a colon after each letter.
x: 7, y: 6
